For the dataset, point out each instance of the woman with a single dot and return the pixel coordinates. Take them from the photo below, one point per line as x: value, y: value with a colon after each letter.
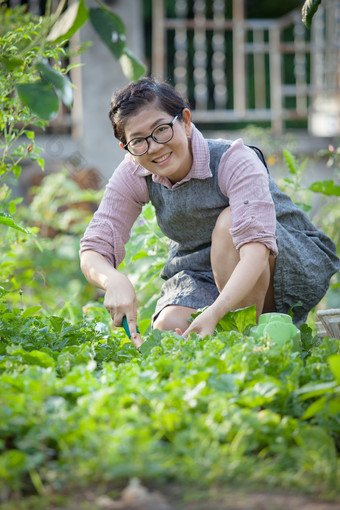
x: 235, y: 239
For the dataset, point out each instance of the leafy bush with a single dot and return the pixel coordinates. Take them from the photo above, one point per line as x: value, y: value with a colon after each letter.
x: 45, y: 271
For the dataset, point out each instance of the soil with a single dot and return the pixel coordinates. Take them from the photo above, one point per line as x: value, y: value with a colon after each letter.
x: 138, y: 497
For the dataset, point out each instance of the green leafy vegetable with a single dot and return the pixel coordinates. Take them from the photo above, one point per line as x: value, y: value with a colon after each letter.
x: 79, y: 404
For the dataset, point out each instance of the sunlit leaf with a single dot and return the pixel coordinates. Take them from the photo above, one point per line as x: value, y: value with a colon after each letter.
x: 334, y: 362
x: 238, y: 320
x: 309, y: 8
x: 132, y: 67
x: 326, y: 187
x: 58, y: 80
x: 31, y: 311
x: 314, y: 408
x: 7, y: 220
x: 69, y: 22
x: 316, y: 390
x: 30, y: 134
x: 291, y: 162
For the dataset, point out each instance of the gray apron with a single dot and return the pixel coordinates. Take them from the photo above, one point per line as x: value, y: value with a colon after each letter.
x: 187, y: 215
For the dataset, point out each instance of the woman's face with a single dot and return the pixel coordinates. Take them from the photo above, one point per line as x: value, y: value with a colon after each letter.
x: 172, y: 159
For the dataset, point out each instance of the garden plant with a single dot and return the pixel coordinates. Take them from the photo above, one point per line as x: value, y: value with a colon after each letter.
x: 80, y: 407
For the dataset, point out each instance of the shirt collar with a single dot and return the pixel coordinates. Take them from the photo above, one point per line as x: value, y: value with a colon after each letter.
x: 200, y: 166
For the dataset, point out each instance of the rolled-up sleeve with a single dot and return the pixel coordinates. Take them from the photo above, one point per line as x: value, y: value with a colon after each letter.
x: 244, y: 180
x: 109, y: 229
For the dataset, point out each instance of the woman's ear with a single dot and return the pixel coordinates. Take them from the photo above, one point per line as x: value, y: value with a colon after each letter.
x: 186, y: 116
x: 122, y: 146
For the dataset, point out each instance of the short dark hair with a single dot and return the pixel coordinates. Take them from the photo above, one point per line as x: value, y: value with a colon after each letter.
x: 135, y: 96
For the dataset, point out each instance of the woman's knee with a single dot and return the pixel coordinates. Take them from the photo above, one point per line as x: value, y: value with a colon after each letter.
x: 172, y: 317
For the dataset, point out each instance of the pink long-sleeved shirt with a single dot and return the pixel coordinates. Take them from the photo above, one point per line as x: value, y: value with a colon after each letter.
x: 241, y: 177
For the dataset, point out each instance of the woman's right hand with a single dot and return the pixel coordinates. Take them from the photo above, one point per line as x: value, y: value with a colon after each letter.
x: 120, y: 297
x: 120, y: 300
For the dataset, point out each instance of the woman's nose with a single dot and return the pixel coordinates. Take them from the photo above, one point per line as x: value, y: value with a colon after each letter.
x: 153, y: 146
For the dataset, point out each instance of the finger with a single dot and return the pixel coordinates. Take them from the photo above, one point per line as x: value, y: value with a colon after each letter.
x: 186, y: 333
x: 132, y: 324
x: 117, y: 319
x: 136, y: 339
x: 178, y: 331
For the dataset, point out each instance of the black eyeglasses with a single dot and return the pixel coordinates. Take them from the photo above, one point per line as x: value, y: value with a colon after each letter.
x: 161, y: 134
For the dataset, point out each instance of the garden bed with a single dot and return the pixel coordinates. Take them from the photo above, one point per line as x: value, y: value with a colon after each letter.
x: 81, y: 407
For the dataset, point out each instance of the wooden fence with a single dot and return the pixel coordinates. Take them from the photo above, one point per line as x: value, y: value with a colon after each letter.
x: 234, y: 69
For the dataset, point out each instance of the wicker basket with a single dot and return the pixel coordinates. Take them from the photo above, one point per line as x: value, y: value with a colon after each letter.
x: 330, y: 323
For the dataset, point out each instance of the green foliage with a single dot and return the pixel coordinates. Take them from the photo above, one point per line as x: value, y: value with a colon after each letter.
x: 146, y: 255
x: 33, y: 81
x: 46, y: 272
x: 328, y: 403
x: 81, y: 405
x: 296, y: 170
x: 309, y: 8
x: 326, y: 187
x: 16, y: 120
x: 6, y: 219
x: 110, y: 28
x: 327, y: 214
x: 70, y: 21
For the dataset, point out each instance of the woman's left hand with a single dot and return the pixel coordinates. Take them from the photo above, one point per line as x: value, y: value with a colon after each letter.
x: 203, y: 325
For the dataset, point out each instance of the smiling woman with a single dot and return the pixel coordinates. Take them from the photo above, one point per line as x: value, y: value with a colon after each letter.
x: 162, y: 133
x: 235, y: 239
x: 171, y: 158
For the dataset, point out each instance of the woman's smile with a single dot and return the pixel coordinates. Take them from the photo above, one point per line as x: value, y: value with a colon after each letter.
x: 162, y: 159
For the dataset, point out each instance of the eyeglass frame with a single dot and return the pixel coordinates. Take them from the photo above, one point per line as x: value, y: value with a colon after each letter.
x: 170, y: 124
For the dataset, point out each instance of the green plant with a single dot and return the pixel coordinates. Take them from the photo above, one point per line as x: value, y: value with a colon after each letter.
x: 328, y: 392
x: 34, y: 80
x: 80, y: 405
x: 45, y: 271
x: 327, y: 214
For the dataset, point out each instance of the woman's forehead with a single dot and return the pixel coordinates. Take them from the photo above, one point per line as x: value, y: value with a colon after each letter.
x: 145, y: 120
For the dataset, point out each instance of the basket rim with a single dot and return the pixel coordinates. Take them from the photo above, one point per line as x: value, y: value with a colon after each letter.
x: 330, y: 311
